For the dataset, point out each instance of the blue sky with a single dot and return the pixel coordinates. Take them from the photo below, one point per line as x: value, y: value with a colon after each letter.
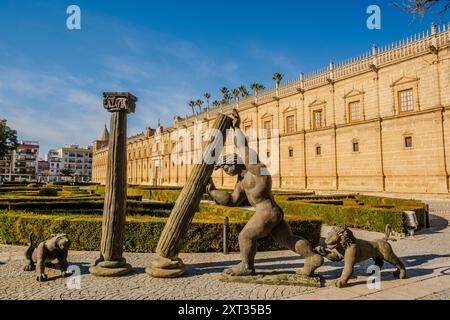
x: 166, y: 53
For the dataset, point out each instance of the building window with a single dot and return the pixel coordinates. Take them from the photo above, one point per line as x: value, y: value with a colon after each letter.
x: 290, y: 124
x: 405, y: 100
x: 317, y: 115
x: 267, y: 126
x: 247, y: 128
x: 408, y: 142
x: 291, y: 153
x: 355, y: 111
x: 355, y: 146
x: 268, y: 154
x: 318, y: 150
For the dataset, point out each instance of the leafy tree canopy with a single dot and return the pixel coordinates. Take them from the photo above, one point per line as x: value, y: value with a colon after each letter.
x: 8, y: 139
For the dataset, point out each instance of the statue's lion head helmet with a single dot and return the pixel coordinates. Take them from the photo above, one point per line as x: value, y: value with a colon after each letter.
x: 340, y: 237
x: 61, y: 241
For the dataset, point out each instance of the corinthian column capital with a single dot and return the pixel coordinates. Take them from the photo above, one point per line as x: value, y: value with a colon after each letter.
x: 119, y: 101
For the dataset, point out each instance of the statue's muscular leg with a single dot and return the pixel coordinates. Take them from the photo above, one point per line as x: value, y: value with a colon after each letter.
x: 256, y: 228
x: 282, y: 233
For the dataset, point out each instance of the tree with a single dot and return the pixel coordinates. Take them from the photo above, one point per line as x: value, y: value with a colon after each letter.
x: 420, y: 7
x: 277, y: 77
x: 226, y: 94
x: 8, y: 139
x: 66, y: 173
x: 256, y: 87
x: 192, y: 105
x: 8, y: 142
x: 216, y: 103
x: 207, y: 96
x: 235, y: 92
x: 243, y: 90
x: 199, y: 104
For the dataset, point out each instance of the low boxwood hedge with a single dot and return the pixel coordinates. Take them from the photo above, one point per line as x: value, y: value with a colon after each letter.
x: 322, y: 197
x: 17, y: 199
x: 18, y: 188
x: 47, y: 192
x: 362, y: 217
x: 141, y: 233
x: 368, y: 218
x: 78, y: 204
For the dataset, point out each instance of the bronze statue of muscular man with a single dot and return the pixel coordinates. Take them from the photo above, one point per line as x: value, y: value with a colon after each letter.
x: 254, y: 183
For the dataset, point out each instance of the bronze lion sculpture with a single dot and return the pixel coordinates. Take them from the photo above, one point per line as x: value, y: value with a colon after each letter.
x: 341, y: 244
x: 39, y: 257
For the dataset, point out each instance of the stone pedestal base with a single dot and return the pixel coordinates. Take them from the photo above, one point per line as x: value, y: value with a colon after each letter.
x: 110, y: 268
x: 274, y: 278
x: 166, y: 268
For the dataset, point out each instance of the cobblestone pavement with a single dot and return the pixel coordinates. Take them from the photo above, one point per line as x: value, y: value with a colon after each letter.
x: 426, y: 257
x: 200, y: 284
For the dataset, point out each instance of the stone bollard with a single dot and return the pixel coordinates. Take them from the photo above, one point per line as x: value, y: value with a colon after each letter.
x: 111, y: 263
x: 225, y: 235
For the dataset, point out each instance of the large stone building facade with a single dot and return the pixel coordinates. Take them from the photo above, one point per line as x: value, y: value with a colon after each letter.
x: 378, y: 122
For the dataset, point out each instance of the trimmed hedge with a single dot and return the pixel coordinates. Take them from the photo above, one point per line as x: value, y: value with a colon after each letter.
x: 331, y: 197
x: 59, y: 199
x: 19, y: 188
x: 48, y: 192
x: 368, y: 218
x: 379, y: 201
x: 329, y: 202
x: 74, y: 204
x: 141, y: 234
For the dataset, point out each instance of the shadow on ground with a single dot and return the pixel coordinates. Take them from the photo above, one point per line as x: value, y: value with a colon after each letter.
x: 437, y: 224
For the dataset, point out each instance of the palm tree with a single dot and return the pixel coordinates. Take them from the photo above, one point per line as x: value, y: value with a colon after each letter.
x: 277, y: 77
x: 207, y: 97
x: 216, y: 103
x: 199, y: 104
x: 192, y: 105
x: 235, y: 93
x: 243, y: 90
x: 226, y: 94
x: 256, y: 87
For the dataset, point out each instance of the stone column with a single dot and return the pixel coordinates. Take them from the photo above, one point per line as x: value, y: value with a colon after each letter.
x: 168, y: 265
x: 111, y: 262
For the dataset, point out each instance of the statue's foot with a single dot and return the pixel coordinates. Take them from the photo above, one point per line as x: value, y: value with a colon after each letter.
x: 42, y: 278
x: 29, y: 267
x: 340, y: 283
x: 311, y: 264
x: 400, y: 274
x: 240, y: 270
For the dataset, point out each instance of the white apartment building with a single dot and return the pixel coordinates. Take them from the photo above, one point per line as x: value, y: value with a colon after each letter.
x: 70, y: 163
